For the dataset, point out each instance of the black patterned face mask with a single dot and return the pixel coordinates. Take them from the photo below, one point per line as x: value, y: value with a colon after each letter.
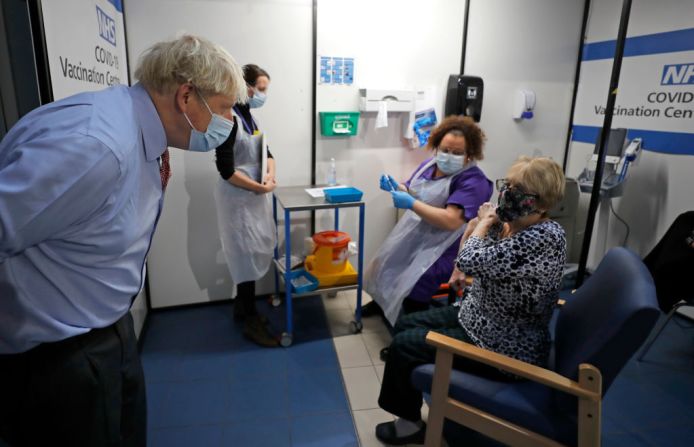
x: 514, y: 203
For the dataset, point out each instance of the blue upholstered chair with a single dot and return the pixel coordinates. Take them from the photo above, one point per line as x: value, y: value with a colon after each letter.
x: 596, y: 333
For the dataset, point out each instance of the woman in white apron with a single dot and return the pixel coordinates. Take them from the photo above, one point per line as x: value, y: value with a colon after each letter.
x: 244, y: 207
x: 442, y: 195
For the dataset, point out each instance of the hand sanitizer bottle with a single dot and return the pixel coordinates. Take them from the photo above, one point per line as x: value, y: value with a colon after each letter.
x: 332, y: 173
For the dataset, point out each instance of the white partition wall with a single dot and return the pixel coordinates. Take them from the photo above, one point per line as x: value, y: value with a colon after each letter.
x: 396, y: 44
x: 530, y: 44
x: 186, y: 264
x: 660, y: 187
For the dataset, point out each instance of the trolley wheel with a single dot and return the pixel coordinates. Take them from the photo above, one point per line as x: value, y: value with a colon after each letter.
x: 286, y: 339
x: 275, y: 300
x: 356, y: 326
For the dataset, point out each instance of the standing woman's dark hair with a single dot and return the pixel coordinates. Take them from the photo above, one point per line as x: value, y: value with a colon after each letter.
x: 251, y: 73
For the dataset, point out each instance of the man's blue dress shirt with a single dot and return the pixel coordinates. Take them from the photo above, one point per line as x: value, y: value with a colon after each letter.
x: 80, y: 194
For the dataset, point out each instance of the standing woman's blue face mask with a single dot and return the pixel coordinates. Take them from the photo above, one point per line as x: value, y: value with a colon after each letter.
x: 257, y: 100
x: 217, y: 132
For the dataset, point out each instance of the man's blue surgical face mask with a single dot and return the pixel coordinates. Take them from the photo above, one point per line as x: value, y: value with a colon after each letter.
x: 217, y: 132
x: 257, y: 100
x: 449, y: 163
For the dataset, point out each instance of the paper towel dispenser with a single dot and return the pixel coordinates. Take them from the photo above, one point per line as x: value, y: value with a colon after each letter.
x: 398, y: 100
x: 464, y: 96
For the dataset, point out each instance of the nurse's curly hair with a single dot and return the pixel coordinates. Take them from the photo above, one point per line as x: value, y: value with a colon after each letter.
x: 460, y: 126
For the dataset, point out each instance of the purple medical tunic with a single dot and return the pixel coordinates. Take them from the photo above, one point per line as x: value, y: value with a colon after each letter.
x: 468, y: 190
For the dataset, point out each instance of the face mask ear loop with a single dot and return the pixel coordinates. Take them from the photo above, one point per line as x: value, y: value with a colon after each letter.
x: 206, y: 105
x: 189, y: 122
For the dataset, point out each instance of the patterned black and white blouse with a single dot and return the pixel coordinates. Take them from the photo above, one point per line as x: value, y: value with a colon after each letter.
x: 515, y: 288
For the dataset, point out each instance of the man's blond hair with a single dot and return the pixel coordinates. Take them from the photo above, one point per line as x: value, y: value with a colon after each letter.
x: 209, y: 67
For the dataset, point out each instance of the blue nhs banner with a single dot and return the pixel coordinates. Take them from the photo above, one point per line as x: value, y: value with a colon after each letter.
x: 678, y: 74
x: 107, y: 26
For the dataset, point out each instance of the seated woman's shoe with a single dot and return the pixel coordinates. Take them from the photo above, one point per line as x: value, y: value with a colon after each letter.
x: 370, y: 309
x: 387, y: 433
x: 254, y: 329
x: 383, y: 354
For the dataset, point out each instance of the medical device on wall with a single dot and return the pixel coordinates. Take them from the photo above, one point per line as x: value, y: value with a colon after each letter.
x: 523, y: 105
x: 620, y: 154
x: 372, y: 100
x: 464, y: 96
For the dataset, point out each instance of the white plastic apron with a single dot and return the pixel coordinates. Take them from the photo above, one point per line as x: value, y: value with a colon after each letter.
x: 246, y: 226
x: 411, y: 248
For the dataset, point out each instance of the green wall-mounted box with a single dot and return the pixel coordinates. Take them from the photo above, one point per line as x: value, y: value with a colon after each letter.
x: 339, y: 124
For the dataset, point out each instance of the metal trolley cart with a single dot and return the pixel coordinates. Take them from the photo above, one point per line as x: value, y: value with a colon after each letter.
x: 295, y: 198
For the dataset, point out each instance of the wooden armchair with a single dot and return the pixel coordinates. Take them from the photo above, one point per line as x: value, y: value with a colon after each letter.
x: 597, y: 331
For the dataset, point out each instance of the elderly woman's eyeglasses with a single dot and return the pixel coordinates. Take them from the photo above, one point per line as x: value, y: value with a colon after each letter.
x: 502, y: 184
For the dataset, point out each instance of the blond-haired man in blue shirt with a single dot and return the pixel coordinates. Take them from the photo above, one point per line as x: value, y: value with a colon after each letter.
x: 81, y: 188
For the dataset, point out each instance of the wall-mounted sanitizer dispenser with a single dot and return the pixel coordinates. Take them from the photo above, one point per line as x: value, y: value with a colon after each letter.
x: 464, y: 96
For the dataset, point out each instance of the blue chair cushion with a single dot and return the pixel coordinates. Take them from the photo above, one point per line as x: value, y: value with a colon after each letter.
x: 528, y: 404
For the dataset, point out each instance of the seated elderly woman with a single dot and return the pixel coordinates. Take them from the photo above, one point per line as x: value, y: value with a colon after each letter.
x: 515, y: 254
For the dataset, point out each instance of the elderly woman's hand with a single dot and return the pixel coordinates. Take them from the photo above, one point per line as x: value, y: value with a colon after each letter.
x: 473, y: 223
x: 487, y: 212
x: 457, y: 281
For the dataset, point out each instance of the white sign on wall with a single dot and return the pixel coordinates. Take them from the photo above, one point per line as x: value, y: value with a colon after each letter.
x: 85, y: 42
x: 655, y: 100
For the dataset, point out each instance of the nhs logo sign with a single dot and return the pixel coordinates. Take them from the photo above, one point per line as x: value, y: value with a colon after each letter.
x: 678, y: 74
x: 107, y: 26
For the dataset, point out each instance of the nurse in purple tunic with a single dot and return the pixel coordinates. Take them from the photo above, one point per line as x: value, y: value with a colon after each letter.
x: 441, y: 196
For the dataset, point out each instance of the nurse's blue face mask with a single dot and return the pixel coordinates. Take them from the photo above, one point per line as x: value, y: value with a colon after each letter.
x: 217, y: 131
x: 448, y: 162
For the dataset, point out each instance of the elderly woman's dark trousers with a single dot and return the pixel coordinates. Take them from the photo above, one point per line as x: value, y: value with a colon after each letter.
x: 409, y: 350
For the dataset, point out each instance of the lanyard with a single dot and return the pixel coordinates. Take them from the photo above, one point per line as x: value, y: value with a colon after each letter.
x: 249, y: 127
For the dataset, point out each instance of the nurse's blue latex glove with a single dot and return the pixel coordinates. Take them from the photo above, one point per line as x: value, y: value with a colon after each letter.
x: 402, y: 200
x: 388, y: 183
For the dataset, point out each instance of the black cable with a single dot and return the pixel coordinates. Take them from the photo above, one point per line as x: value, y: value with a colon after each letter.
x: 626, y: 236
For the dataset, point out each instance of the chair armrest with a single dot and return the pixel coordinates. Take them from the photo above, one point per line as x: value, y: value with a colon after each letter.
x: 517, y: 367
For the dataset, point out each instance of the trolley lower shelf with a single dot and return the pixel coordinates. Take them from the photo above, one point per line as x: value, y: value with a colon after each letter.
x: 319, y: 291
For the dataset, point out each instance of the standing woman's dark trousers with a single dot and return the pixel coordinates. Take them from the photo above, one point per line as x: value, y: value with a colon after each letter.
x: 87, y: 390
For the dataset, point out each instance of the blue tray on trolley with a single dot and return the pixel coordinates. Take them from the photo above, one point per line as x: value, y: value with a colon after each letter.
x: 302, y: 281
x: 341, y: 195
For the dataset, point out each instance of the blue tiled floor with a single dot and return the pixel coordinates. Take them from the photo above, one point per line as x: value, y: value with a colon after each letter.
x: 207, y: 385
x: 651, y: 403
